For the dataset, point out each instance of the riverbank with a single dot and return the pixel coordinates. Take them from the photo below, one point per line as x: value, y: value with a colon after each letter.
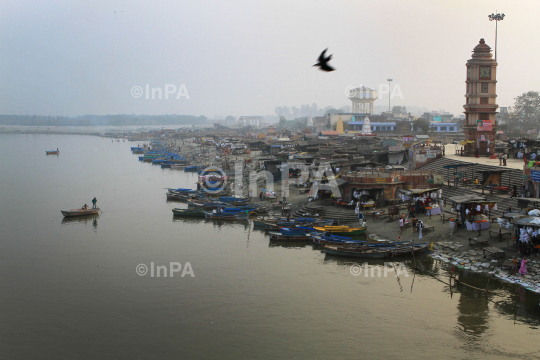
x: 461, y: 248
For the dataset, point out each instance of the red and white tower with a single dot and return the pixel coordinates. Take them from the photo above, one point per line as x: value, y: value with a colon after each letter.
x: 480, y: 107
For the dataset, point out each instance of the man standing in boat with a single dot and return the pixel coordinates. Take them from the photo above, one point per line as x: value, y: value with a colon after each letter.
x: 94, y: 201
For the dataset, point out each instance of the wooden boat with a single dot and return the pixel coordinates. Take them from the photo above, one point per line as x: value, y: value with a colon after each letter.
x: 188, y: 212
x: 289, y: 237
x: 227, y: 210
x: 225, y: 216
x: 337, y: 240
x: 183, y: 190
x: 137, y: 150
x: 292, y: 231
x: 213, y: 178
x: 357, y: 251
x: 272, y: 227
x: 391, y: 244
x: 80, y: 212
x: 259, y: 224
x: 53, y: 152
x: 205, y: 205
x: 341, y: 230
x: 178, y: 197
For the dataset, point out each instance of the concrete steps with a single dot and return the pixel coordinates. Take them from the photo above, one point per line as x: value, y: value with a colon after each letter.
x: 509, y: 178
x: 502, y: 201
x: 341, y: 215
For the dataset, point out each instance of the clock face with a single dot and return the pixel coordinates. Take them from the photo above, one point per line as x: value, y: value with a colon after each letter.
x: 485, y: 72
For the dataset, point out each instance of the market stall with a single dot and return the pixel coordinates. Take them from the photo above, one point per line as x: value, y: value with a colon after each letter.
x: 473, y: 211
x: 527, y: 231
x: 492, y: 180
x: 423, y: 200
x: 367, y: 197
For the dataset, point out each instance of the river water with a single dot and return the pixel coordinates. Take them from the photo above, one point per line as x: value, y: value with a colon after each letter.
x: 70, y: 290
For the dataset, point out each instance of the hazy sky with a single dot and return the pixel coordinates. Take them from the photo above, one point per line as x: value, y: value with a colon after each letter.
x: 246, y: 57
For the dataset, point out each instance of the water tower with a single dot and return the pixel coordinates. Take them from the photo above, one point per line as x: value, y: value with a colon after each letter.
x: 362, y: 100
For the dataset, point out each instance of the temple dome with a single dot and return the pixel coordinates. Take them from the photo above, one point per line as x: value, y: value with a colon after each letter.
x: 482, y: 50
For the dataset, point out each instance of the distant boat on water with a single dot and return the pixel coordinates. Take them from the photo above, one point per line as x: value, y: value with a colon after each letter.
x: 80, y: 212
x: 52, y: 152
x: 189, y: 212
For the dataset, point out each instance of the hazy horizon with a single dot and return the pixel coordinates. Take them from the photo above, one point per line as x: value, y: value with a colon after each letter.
x: 246, y: 58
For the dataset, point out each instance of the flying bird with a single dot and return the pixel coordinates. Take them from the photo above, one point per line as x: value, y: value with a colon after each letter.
x: 323, y: 62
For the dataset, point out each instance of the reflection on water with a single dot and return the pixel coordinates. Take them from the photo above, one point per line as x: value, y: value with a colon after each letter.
x: 233, y: 224
x: 88, y: 219
x: 188, y: 220
x: 226, y: 224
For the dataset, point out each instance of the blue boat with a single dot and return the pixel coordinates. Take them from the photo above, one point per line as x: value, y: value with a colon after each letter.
x: 335, y: 239
x: 238, y: 210
x: 289, y: 236
x: 390, y: 244
x: 234, y: 200
x: 226, y: 216
x: 308, y: 229
x: 183, y: 190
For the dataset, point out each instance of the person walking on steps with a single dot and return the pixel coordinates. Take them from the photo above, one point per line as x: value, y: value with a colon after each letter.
x: 361, y: 218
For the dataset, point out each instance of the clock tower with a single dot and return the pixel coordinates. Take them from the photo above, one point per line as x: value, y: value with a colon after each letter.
x: 480, y: 96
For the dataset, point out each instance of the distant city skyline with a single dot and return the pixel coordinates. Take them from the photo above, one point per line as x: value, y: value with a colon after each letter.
x: 245, y: 58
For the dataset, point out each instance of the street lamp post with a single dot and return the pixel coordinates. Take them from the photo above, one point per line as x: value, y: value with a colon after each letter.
x: 389, y: 96
x: 496, y: 17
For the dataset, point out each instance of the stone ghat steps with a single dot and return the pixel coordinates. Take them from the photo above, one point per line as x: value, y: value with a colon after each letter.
x: 340, y: 215
x: 510, y: 177
x: 502, y: 201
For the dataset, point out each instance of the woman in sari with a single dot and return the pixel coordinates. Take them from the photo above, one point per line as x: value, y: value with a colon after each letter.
x: 523, y: 268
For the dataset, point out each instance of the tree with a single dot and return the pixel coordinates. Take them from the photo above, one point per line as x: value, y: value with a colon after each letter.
x: 282, y: 122
x: 230, y: 118
x: 300, y: 123
x: 398, y: 110
x: 421, y: 125
x: 527, y: 110
x: 332, y: 111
